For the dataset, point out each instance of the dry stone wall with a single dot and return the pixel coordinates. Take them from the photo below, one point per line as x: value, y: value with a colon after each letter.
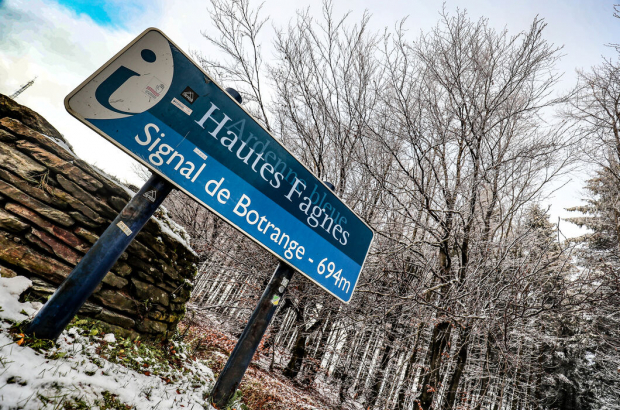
x: 54, y: 206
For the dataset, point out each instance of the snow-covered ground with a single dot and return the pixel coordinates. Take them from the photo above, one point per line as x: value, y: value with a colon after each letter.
x: 77, y: 374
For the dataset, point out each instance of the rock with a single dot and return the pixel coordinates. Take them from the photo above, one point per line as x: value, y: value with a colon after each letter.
x: 62, y: 251
x: 177, y: 307
x: 25, y: 258
x: 122, y: 269
x: 60, y: 166
x: 19, y: 129
x: 11, y: 223
x: 159, y: 308
x: 117, y: 300
x: 145, y: 267
x: 7, y: 136
x: 118, y: 203
x: 152, y: 227
x: 7, y: 273
x: 89, y: 308
x: 109, y: 184
x: 86, y: 234
x: 42, y: 288
x: 115, y: 319
x: 188, y: 271
x: 150, y: 292
x: 168, y: 270
x: 141, y: 251
x: 168, y: 287
x: 84, y: 220
x: 36, y: 205
x: 64, y: 235
x: 38, y: 242
x: 86, y: 198
x: 181, y: 295
x: 78, y: 205
x: 34, y: 191
x: 115, y: 281
x: 118, y: 331
x: 151, y: 326
x: 20, y: 164
x: 28, y: 117
x: 164, y: 317
x: 145, y: 277
x: 152, y: 241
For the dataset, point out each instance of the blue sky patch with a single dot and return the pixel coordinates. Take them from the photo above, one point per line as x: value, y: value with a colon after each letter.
x: 105, y: 13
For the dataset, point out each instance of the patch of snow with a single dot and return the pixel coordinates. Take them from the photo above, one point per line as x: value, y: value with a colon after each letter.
x: 172, y: 229
x: 74, y: 375
x: 110, y: 338
x: 590, y: 358
x: 62, y: 144
x: 30, y: 380
x: 10, y: 307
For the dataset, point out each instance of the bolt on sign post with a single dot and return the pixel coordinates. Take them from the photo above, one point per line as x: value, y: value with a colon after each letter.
x: 152, y: 101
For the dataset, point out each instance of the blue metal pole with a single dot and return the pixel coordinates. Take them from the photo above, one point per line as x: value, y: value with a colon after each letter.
x: 241, y: 356
x: 84, y: 279
x: 248, y: 342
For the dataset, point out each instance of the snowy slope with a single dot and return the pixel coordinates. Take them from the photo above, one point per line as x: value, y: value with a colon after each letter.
x: 75, y: 370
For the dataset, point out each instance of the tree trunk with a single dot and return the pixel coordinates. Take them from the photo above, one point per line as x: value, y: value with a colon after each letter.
x: 402, y: 392
x: 461, y: 360
x: 486, y: 371
x: 430, y: 383
x: 322, y: 349
x: 382, y: 369
x: 299, y: 349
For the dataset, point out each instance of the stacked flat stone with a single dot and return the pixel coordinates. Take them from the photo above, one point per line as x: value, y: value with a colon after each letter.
x: 54, y: 206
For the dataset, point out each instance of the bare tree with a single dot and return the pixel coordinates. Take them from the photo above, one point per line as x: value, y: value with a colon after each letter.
x: 445, y: 144
x: 238, y: 27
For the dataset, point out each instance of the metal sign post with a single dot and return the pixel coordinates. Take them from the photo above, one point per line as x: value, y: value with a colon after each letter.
x: 240, y: 358
x: 64, y: 304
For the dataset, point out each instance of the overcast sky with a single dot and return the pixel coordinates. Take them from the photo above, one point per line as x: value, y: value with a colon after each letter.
x: 63, y: 42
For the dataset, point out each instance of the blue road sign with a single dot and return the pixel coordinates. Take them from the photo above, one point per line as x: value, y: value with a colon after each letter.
x: 156, y: 104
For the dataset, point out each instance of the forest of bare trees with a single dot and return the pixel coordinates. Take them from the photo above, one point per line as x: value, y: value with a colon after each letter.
x: 447, y: 143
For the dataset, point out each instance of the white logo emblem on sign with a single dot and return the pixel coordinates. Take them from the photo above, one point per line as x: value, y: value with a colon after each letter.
x: 150, y: 195
x: 131, y: 84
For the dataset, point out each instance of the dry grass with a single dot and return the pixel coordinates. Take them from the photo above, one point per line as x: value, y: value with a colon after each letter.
x: 260, y: 389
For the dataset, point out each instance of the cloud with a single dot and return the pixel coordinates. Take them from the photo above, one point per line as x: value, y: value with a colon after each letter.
x: 61, y: 48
